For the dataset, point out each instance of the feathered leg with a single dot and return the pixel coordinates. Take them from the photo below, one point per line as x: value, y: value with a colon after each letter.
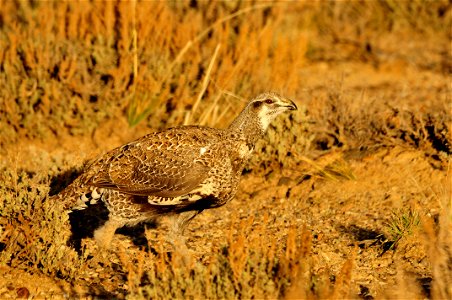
x: 104, y: 234
x: 178, y: 224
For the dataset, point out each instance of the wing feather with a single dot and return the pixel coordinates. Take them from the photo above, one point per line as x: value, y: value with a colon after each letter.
x: 164, y: 164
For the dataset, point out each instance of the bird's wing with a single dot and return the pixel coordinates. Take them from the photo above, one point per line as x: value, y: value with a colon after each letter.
x: 161, y: 164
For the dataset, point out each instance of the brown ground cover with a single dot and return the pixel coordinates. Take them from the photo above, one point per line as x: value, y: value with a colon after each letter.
x: 350, y: 197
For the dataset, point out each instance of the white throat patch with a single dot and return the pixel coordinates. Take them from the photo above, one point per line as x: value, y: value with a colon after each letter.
x: 265, y: 117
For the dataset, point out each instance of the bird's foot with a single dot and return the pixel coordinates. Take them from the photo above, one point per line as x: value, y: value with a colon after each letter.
x: 104, y: 234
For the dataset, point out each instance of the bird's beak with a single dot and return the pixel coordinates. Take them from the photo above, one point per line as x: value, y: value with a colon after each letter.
x: 290, y: 105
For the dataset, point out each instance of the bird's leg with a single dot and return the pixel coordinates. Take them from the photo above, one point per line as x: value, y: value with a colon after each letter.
x: 183, y: 219
x: 104, y: 234
x: 176, y: 236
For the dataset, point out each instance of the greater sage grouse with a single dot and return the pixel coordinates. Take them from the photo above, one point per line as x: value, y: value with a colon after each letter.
x: 180, y: 171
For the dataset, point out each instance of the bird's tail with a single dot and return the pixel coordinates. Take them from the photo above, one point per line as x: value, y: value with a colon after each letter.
x: 77, y: 196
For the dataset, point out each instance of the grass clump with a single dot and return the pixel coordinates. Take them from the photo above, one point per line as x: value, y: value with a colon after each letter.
x: 402, y: 223
x: 351, y: 120
x: 34, y: 232
x: 243, y: 268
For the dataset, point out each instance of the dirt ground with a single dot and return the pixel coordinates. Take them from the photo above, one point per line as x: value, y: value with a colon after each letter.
x: 348, y: 197
x: 347, y: 211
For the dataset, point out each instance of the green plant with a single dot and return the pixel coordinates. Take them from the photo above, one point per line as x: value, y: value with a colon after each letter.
x: 402, y: 223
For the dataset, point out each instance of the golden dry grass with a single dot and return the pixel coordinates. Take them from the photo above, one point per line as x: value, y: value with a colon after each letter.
x: 319, y: 213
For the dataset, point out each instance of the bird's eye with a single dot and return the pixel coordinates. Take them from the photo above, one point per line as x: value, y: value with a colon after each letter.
x: 269, y: 101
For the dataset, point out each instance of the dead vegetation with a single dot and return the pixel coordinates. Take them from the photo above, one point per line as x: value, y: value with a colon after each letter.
x: 348, y: 198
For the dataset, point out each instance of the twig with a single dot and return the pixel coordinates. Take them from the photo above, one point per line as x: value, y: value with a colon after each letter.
x: 210, y: 28
x: 205, y: 83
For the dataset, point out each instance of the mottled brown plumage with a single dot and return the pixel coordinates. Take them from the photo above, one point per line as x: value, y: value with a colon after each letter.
x: 180, y: 171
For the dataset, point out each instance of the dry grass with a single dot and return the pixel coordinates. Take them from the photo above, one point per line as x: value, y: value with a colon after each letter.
x: 34, y: 232
x: 67, y: 68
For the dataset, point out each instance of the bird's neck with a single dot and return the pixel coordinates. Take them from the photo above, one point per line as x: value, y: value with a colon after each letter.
x: 248, y: 126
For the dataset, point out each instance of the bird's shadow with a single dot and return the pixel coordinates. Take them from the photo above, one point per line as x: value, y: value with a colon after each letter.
x: 85, y: 222
x: 60, y: 181
x: 361, y: 235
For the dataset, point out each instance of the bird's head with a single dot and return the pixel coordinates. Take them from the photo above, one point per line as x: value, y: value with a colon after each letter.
x: 269, y: 105
x: 253, y: 121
